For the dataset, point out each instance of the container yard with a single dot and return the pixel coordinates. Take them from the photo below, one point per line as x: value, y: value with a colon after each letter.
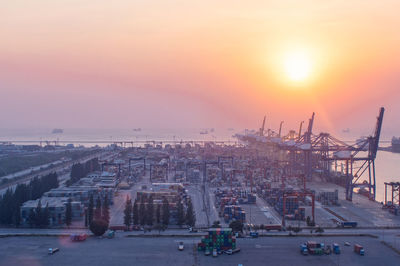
x: 262, y: 179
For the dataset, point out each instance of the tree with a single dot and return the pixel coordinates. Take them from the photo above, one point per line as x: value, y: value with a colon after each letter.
x: 150, y: 211
x: 77, y: 172
x: 38, y: 212
x: 158, y: 214
x: 216, y: 224
x: 159, y: 227
x: 90, y: 209
x: 17, y: 216
x: 95, y: 164
x: 142, y: 213
x: 165, y: 212
x: 180, y: 213
x: 296, y: 229
x: 46, y: 216
x: 98, y: 227
x: 32, y: 217
x: 68, y: 213
x: 237, y: 226
x: 11, y: 201
x: 319, y: 230
x: 128, y: 212
x: 190, y: 215
x: 97, y: 211
x: 135, y: 213
x: 106, y: 210
x: 262, y: 227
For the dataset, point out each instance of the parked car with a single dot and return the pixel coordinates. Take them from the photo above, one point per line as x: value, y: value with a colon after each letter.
x: 110, y: 234
x: 228, y: 252
x: 236, y: 250
x: 53, y: 250
x: 136, y: 228
x: 192, y: 230
x: 180, y: 246
x: 336, y: 248
x: 215, y: 254
x: 328, y: 250
x: 303, y: 249
x: 78, y: 237
x: 254, y: 234
x: 207, y: 252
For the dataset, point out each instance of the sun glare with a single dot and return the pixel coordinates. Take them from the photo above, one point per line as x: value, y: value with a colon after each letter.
x: 297, y: 66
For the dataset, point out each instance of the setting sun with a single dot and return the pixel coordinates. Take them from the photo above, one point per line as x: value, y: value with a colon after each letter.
x: 297, y: 66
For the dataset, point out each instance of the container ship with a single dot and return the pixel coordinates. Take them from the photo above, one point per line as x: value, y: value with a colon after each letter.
x: 57, y: 131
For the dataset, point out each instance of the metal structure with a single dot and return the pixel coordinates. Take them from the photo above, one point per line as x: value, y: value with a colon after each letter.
x: 112, y: 164
x: 301, y: 125
x: 137, y: 159
x: 394, y: 193
x: 368, y: 163
x: 280, y: 128
x: 222, y: 159
x: 165, y: 166
x: 262, y: 127
x: 319, y: 152
x: 205, y: 168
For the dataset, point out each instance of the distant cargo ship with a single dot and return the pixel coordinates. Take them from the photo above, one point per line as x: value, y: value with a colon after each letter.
x: 204, y: 132
x: 396, y: 144
x: 57, y: 131
x: 137, y: 129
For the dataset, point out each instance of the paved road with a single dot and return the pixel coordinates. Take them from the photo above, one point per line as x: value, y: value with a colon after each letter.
x: 163, y: 251
x: 117, y: 209
x: 196, y: 195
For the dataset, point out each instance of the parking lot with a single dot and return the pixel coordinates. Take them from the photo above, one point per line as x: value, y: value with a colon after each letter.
x: 163, y: 251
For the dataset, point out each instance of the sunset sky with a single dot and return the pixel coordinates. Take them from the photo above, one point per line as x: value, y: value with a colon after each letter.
x: 166, y: 64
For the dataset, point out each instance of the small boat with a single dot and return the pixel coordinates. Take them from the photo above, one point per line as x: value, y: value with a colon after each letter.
x: 137, y: 129
x: 204, y: 132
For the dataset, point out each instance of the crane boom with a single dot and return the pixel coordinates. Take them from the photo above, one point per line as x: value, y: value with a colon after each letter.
x: 262, y: 127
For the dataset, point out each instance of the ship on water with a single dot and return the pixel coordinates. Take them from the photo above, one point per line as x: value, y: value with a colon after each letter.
x: 57, y: 131
x: 396, y: 144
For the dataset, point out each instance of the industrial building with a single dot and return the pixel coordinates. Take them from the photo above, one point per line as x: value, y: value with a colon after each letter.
x: 56, y: 207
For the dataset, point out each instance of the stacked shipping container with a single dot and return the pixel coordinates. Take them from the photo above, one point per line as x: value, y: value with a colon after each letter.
x: 218, y: 238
